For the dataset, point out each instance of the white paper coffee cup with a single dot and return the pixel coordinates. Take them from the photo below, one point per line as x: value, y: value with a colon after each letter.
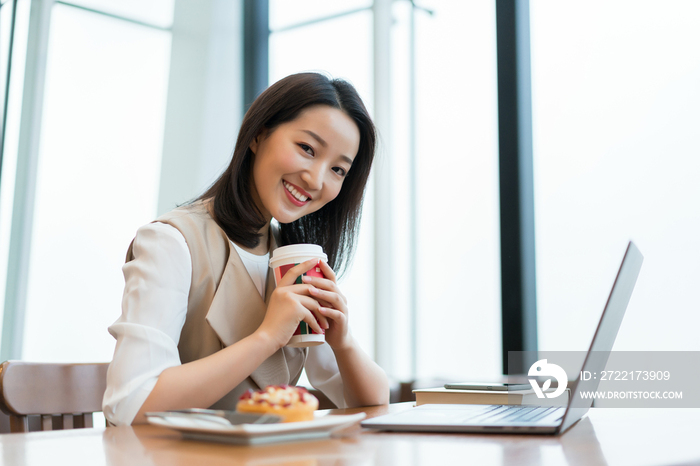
x: 283, y: 259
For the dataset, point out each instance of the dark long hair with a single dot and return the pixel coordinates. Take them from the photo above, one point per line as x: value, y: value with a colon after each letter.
x: 335, y: 226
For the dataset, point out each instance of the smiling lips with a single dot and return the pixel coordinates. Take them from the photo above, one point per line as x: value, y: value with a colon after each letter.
x: 294, y: 194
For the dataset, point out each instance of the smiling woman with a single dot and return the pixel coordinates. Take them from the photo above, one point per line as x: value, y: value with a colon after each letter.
x: 331, y: 110
x: 195, y: 294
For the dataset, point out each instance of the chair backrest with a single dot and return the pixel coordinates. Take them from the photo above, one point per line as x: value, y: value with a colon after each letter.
x: 69, y: 393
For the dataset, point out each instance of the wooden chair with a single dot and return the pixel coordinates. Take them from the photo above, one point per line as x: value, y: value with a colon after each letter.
x: 63, y: 395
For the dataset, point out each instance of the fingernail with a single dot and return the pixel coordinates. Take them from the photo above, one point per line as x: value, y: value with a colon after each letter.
x: 304, y: 278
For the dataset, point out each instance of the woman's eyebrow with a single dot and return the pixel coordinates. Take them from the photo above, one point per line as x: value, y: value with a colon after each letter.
x: 316, y: 137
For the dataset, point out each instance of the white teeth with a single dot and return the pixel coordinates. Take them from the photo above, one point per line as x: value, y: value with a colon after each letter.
x: 294, y: 192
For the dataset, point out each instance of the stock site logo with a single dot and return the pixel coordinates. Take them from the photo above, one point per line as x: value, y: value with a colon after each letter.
x: 544, y: 369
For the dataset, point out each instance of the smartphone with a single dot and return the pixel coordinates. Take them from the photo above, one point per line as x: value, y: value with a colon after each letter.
x: 488, y: 386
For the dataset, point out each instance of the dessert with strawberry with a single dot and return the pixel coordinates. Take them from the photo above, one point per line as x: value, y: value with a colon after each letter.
x: 291, y: 403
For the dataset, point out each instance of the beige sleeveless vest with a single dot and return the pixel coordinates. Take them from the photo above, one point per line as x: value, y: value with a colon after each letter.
x: 224, y: 306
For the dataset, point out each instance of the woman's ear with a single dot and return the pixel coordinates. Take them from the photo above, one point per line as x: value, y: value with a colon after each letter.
x: 256, y: 141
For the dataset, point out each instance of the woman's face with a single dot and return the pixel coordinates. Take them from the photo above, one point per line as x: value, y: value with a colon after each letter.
x: 300, y: 165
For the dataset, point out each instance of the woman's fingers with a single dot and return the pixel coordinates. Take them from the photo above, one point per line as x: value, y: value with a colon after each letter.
x: 333, y: 314
x: 304, y: 290
x: 313, y: 323
x: 335, y: 299
x: 290, y: 277
x: 325, y: 284
x: 303, y: 295
x: 315, y: 293
x: 327, y: 271
x: 313, y: 306
x: 319, y: 282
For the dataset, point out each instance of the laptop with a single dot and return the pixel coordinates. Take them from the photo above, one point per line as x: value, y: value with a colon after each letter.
x: 523, y: 418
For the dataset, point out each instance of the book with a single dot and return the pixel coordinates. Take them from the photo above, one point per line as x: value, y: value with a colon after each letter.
x: 443, y: 395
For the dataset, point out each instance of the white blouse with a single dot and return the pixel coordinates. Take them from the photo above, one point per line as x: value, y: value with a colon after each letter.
x: 256, y: 266
x: 154, y: 307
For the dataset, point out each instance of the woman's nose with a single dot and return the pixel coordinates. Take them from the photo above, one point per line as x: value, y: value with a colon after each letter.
x: 313, y: 177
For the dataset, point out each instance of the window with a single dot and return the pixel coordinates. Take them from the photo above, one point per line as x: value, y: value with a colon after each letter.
x: 615, y: 118
x: 97, y: 179
x: 458, y: 242
x: 10, y: 122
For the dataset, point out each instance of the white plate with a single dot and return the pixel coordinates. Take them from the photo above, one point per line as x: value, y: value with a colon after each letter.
x: 255, y: 434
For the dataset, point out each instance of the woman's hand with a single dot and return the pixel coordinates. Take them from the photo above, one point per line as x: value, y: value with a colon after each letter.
x: 364, y: 382
x: 289, y: 305
x: 333, y: 309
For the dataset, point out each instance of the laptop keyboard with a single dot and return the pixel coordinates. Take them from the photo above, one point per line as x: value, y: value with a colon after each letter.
x: 511, y: 413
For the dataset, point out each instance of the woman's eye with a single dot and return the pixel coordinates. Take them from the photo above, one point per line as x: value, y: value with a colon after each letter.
x: 307, y: 148
x: 340, y: 171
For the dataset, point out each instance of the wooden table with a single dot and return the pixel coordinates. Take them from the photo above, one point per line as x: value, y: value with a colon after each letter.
x: 606, y: 436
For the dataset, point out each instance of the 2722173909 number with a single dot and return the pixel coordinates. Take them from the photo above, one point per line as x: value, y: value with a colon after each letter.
x: 626, y: 375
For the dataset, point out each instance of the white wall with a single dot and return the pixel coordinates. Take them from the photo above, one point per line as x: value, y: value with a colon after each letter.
x: 205, y: 97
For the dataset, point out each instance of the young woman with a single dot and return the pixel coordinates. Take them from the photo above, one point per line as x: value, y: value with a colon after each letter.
x: 202, y: 320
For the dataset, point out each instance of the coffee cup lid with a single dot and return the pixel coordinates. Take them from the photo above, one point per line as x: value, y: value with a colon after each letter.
x: 296, y: 253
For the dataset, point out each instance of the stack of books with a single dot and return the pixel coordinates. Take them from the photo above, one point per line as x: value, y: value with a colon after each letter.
x: 487, y: 397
